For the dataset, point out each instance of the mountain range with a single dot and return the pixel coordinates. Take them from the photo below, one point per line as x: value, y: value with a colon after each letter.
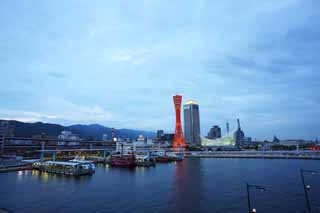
x: 91, y: 131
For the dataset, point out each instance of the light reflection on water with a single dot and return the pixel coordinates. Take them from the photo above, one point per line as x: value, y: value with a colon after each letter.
x: 193, y: 185
x: 46, y: 177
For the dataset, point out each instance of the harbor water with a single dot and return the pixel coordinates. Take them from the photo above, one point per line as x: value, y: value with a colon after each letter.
x: 193, y: 185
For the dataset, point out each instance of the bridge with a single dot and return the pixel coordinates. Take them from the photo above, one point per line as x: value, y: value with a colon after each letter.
x: 33, y: 147
x: 54, y: 152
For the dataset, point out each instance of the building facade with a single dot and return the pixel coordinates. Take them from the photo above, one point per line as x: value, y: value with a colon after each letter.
x: 192, y: 123
x: 104, y: 137
x: 160, y: 134
x: 215, y: 132
x: 6, y: 130
x: 68, y: 138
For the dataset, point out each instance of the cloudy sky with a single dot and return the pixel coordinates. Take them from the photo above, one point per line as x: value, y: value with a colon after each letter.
x: 118, y: 63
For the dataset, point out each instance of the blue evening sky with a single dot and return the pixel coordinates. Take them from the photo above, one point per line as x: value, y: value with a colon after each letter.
x: 118, y: 63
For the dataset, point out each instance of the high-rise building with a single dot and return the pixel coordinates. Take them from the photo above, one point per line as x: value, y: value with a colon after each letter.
x: 178, y: 140
x: 160, y: 134
x: 227, y: 125
x: 215, y: 132
x: 192, y: 122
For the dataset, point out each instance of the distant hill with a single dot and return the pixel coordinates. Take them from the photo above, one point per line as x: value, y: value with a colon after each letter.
x: 96, y: 130
x: 93, y: 131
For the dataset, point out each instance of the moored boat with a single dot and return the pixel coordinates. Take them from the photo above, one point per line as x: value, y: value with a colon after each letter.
x: 175, y: 156
x: 144, y: 160
x: 163, y: 159
x: 161, y: 156
x: 122, y: 160
x: 65, y: 168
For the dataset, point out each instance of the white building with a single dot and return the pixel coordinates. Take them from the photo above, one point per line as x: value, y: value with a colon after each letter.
x: 68, y: 138
x: 136, y: 146
x: 104, y: 137
x: 141, y: 138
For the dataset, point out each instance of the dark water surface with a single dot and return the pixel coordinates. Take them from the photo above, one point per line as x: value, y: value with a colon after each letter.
x: 194, y: 185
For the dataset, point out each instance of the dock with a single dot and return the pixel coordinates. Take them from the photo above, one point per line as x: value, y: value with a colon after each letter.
x: 303, y: 155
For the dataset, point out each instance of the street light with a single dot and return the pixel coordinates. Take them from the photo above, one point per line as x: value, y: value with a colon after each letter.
x: 306, y: 187
x: 260, y: 188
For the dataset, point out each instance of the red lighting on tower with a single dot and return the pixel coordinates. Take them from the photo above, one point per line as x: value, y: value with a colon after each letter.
x: 178, y: 140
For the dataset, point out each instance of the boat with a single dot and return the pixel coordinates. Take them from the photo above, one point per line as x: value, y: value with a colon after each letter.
x: 83, y: 162
x: 122, y: 160
x: 161, y: 156
x: 80, y: 160
x: 144, y: 160
x: 65, y: 168
x: 175, y: 156
x: 163, y: 159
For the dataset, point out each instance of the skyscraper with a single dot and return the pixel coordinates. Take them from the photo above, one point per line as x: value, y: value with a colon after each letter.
x: 192, y: 122
x: 227, y: 124
x: 160, y: 134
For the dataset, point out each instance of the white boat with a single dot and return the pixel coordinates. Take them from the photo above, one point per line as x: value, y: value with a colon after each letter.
x: 66, y: 168
x: 175, y: 156
x: 144, y: 160
x: 82, y: 160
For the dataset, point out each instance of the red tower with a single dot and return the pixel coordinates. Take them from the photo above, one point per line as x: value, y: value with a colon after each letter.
x: 178, y: 140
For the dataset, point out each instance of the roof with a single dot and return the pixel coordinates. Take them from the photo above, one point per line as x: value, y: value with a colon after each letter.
x: 80, y: 161
x: 63, y: 163
x: 191, y: 102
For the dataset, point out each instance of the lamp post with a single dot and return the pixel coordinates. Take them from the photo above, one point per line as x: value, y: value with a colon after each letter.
x: 306, y: 187
x: 260, y: 188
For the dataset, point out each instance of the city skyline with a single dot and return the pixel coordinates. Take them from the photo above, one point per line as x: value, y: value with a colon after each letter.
x: 119, y: 63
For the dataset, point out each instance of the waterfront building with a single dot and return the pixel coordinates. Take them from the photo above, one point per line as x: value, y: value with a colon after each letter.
x: 133, y: 147
x: 215, y: 132
x: 18, y: 141
x: 141, y: 138
x: 293, y: 142
x: 225, y: 141
x: 6, y: 129
x: 68, y: 138
x: 104, y: 137
x: 192, y: 122
x: 239, y: 135
x: 168, y: 137
x: 160, y: 134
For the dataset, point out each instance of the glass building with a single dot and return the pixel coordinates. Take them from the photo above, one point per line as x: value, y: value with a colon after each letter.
x: 191, y: 123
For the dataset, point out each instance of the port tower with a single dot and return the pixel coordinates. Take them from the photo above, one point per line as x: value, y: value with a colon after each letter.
x: 178, y: 140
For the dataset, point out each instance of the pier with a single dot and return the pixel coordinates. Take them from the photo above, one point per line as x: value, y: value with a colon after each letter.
x: 311, y: 155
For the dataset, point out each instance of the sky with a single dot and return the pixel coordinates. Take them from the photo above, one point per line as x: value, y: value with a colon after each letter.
x: 118, y: 63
